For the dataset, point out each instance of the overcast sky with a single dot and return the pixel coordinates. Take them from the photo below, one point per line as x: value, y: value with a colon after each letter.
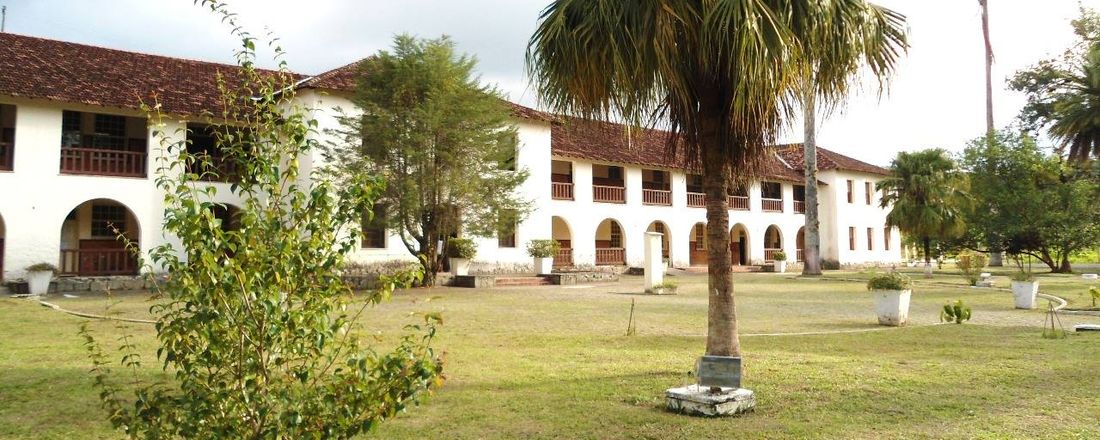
x: 936, y: 99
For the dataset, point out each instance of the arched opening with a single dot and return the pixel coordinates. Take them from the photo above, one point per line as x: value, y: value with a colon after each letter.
x: 697, y: 255
x: 610, y: 244
x: 559, y: 231
x: 661, y: 228
x: 3, y: 233
x: 773, y: 242
x: 739, y: 245
x: 229, y: 216
x: 800, y: 245
x: 90, y: 242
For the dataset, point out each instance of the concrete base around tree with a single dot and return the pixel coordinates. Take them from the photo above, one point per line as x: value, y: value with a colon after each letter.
x: 696, y: 400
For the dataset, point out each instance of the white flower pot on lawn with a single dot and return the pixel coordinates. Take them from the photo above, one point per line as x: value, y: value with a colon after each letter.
x: 460, y: 266
x: 780, y: 266
x: 544, y: 265
x: 38, y: 281
x: 892, y: 306
x: 1024, y: 293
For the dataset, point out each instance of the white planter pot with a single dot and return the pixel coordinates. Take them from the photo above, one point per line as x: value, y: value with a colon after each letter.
x: 460, y: 266
x: 892, y: 306
x: 780, y: 266
x: 1024, y: 293
x: 38, y: 281
x: 544, y: 265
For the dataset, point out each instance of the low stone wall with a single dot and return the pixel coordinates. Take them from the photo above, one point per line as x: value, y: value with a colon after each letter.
x: 91, y: 284
x: 573, y: 278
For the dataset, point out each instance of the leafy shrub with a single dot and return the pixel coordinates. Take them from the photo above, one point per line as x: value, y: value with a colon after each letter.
x: 389, y: 267
x: 890, y: 281
x: 971, y: 265
x: 1022, y: 276
x: 461, y: 248
x: 543, y: 248
x: 42, y: 267
x: 956, y: 312
x: 1095, y: 294
x: 254, y: 334
x: 830, y: 264
x: 779, y: 256
x: 667, y: 284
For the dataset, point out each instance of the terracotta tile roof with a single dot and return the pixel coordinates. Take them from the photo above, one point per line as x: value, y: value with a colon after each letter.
x: 33, y: 67
x: 608, y: 142
x: 827, y: 160
x: 344, y: 78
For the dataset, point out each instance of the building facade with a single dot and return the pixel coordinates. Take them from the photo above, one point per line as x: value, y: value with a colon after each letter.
x: 78, y: 161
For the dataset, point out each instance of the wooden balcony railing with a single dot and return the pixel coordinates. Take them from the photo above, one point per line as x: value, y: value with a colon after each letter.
x: 610, y: 256
x: 772, y: 205
x: 656, y: 197
x: 800, y: 255
x: 103, y: 162
x: 564, y: 257
x: 769, y: 254
x: 738, y: 203
x: 561, y: 191
x: 7, y: 151
x: 97, y: 262
x: 799, y: 207
x: 608, y: 194
x: 697, y: 200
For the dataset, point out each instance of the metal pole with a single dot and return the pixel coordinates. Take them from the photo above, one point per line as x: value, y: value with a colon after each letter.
x: 3, y: 17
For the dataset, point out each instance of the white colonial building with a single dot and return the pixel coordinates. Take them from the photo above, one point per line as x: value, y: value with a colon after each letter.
x: 76, y: 154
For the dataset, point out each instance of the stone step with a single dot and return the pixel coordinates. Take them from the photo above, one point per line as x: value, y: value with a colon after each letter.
x: 522, y: 281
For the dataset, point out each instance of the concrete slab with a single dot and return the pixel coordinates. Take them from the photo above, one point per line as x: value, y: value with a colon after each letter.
x: 696, y: 400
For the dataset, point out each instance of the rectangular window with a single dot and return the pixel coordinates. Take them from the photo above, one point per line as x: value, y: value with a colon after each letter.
x: 506, y: 230
x: 700, y: 241
x: 851, y: 191
x: 800, y: 193
x: 374, y: 228
x: 771, y: 190
x: 106, y: 218
x: 694, y: 183
x: 868, y: 190
x: 851, y: 238
x: 70, y: 129
x: 616, y: 235
x: 110, y: 132
x: 615, y: 173
x: 886, y: 237
x: 870, y: 239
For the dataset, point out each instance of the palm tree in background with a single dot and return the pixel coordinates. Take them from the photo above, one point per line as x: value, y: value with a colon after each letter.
x: 927, y: 190
x: 840, y: 37
x: 720, y: 75
x: 1075, y: 120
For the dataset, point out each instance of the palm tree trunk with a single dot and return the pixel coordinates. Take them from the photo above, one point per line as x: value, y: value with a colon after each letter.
x: 811, y: 264
x: 927, y: 257
x: 722, y: 339
x: 995, y: 258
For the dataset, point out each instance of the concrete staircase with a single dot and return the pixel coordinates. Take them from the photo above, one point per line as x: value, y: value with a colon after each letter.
x: 523, y: 281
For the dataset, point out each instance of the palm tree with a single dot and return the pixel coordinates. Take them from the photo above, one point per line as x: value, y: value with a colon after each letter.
x: 839, y: 38
x: 1076, y: 108
x: 718, y: 74
x: 927, y: 192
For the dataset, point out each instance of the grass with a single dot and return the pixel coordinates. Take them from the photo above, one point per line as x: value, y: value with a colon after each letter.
x: 555, y: 363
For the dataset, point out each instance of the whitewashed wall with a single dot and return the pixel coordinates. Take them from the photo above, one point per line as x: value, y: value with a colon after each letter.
x: 837, y: 215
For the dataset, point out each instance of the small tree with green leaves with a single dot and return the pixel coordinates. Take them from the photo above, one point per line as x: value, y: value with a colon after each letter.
x: 971, y: 265
x: 445, y: 143
x: 254, y: 327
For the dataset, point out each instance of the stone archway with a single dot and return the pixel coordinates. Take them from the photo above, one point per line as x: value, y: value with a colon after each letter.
x: 773, y: 242
x: 739, y: 245
x: 560, y: 231
x: 666, y: 241
x: 697, y: 251
x: 610, y: 244
x: 800, y: 244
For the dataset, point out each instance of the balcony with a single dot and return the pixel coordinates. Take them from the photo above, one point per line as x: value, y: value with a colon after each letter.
x: 771, y: 205
x: 608, y: 194
x: 799, y: 207
x: 97, y: 262
x: 561, y: 191
x: 7, y: 153
x: 610, y: 256
x: 738, y: 203
x: 102, y: 162
x: 696, y: 200
x: 564, y: 257
x: 656, y: 197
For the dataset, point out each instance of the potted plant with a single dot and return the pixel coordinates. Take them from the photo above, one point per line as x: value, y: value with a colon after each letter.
x: 665, y: 288
x: 892, y: 292
x: 1024, y: 289
x: 461, y: 251
x: 543, y: 251
x: 39, y: 277
x: 780, y: 259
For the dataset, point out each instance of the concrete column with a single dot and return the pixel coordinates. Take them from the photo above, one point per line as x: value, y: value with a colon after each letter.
x: 633, y: 178
x: 654, y: 267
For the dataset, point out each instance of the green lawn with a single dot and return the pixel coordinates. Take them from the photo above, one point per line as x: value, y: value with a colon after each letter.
x: 554, y: 362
